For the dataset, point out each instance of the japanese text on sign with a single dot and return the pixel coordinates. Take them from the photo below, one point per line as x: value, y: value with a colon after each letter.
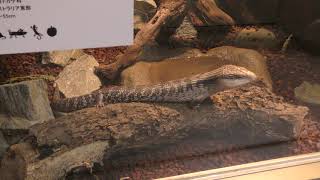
x: 45, y: 25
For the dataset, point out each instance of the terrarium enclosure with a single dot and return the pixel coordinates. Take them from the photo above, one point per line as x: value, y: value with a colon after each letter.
x: 206, y: 84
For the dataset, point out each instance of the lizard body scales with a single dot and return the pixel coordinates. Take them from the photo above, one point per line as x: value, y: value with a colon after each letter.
x: 193, y: 89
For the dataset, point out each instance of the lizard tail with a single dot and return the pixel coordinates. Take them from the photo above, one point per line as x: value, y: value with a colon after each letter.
x: 74, y: 103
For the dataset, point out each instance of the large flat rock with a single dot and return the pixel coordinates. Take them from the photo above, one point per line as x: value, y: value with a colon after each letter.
x: 24, y: 104
x: 155, y: 52
x: 187, y: 64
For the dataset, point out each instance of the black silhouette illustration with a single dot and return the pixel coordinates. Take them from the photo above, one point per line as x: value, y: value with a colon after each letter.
x: 20, y: 32
x: 2, y: 36
x: 36, y: 32
x: 52, y: 31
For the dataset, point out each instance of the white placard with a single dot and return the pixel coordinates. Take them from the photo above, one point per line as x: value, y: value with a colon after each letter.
x: 46, y: 25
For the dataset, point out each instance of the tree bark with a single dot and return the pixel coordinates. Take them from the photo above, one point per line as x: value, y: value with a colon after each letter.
x: 209, y: 13
x: 167, y: 10
x: 247, y: 116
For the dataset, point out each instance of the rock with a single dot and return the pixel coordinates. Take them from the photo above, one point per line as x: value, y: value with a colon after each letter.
x: 3, y: 145
x: 256, y: 38
x: 78, y: 78
x: 148, y: 73
x: 143, y: 12
x: 309, y: 93
x: 61, y: 58
x: 154, y: 52
x: 302, y: 19
x: 24, y: 104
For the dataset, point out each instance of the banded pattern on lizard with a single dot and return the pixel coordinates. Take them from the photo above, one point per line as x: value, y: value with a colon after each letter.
x: 192, y: 89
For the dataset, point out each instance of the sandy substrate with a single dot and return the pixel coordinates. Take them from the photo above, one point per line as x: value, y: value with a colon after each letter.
x: 287, y: 70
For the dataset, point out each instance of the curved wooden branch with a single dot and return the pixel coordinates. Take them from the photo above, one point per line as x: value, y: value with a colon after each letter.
x: 167, y: 10
x: 209, y: 13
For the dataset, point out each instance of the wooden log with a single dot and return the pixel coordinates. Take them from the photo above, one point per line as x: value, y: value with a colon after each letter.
x: 209, y: 13
x: 166, y: 11
x: 54, y: 167
x: 251, y: 115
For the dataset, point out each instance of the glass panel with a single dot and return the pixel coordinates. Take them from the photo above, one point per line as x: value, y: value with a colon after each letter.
x: 207, y: 84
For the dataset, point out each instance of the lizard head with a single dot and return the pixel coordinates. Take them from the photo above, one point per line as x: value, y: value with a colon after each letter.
x: 229, y: 76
